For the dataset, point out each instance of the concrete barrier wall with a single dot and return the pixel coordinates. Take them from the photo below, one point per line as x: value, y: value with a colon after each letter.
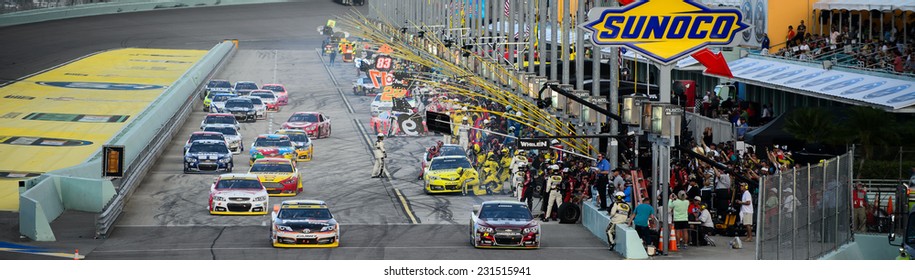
x: 114, y: 7
x: 865, y: 247
x: 81, y: 187
x: 628, y: 243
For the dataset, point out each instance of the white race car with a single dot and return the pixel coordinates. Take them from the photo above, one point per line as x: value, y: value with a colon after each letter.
x: 238, y: 194
x: 260, y: 108
x: 233, y: 137
x: 304, y: 223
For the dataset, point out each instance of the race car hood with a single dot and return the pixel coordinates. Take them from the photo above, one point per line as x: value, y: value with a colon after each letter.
x: 273, y: 150
x: 301, y: 124
x: 301, y: 144
x: 272, y: 176
x: 450, y: 174
x: 507, y: 223
x: 239, y: 109
x: 239, y: 193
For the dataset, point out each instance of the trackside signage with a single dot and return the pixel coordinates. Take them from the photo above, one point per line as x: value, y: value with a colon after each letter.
x: 533, y: 144
x: 664, y: 30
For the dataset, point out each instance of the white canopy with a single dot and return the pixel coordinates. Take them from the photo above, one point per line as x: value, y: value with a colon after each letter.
x: 894, y: 94
x: 865, y: 5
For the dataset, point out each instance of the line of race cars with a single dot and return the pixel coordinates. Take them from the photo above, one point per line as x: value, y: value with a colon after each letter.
x: 272, y: 159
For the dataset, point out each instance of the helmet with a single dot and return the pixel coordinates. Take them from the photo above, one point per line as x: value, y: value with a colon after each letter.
x: 554, y: 167
x: 508, y: 107
x: 476, y: 148
x: 490, y: 154
x: 511, y: 128
x: 518, y: 114
x: 439, y: 143
x: 619, y: 195
x: 518, y: 153
x: 380, y: 135
x: 486, y: 121
x: 554, y: 142
x: 505, y: 151
x: 465, y: 117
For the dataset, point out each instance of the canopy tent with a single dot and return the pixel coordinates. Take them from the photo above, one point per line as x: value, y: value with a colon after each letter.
x: 895, y: 94
x: 865, y: 5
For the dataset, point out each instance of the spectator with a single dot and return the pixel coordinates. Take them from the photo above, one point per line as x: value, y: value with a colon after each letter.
x: 680, y: 209
x: 801, y: 32
x: 859, y: 201
x: 765, y: 44
x: 746, y: 210
x: 706, y: 226
x: 789, y: 39
x: 641, y: 217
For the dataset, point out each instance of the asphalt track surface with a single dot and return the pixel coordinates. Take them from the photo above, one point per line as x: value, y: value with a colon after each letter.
x: 380, y: 219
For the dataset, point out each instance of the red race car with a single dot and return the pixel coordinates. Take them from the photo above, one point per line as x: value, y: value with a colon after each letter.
x: 316, y: 124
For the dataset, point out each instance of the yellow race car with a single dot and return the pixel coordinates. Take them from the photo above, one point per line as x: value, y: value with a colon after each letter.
x: 304, y: 149
x: 278, y: 175
x: 450, y: 174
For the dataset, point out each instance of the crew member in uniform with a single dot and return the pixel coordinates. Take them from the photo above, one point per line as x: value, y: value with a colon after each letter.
x: 555, y: 195
x: 464, y: 133
x: 518, y: 161
x: 380, y: 154
x: 619, y: 214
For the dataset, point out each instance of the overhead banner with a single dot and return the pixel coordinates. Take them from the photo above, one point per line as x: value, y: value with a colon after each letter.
x: 665, y: 30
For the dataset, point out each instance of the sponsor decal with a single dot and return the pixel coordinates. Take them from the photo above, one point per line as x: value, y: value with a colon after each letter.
x: 6, y: 174
x: 843, y: 84
x: 787, y: 74
x: 76, y: 118
x: 100, y: 86
x: 902, y: 98
x: 863, y: 88
x: 741, y: 66
x: 887, y: 91
x: 41, y: 141
x: 770, y: 72
x: 665, y: 30
x: 757, y: 69
x: 23, y: 97
x: 10, y: 115
x: 805, y: 77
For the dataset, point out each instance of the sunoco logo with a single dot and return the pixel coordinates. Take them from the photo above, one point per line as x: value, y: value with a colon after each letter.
x: 665, y: 30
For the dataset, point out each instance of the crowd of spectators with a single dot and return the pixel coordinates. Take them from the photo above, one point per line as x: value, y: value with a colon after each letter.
x: 890, y: 51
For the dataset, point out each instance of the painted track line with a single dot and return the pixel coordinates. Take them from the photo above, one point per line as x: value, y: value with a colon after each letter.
x: 404, y: 203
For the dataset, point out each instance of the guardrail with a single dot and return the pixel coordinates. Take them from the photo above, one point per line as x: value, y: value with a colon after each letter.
x: 177, y: 102
x: 112, y: 7
x: 82, y: 188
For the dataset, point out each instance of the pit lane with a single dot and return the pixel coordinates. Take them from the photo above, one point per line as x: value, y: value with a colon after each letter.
x: 166, y: 218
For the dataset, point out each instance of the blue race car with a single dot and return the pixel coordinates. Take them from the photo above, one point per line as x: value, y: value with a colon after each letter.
x: 208, y: 156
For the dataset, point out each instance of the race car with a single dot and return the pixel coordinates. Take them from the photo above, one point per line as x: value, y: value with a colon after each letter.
x: 450, y: 174
x: 238, y: 194
x: 303, y: 224
x: 315, y: 124
x: 203, y: 135
x: 364, y: 86
x: 208, y: 156
x: 269, y: 99
x: 242, y: 108
x: 232, y: 136
x: 219, y: 119
x: 446, y: 150
x: 260, y: 108
x: 244, y: 87
x: 504, y: 224
x: 218, y: 102
x: 282, y: 97
x: 209, y: 98
x: 217, y: 85
x: 278, y: 175
x: 272, y: 146
x: 304, y: 150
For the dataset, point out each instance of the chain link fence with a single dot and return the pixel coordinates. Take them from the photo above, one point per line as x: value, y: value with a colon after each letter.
x: 806, y: 212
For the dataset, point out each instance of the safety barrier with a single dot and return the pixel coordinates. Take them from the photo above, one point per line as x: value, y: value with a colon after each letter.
x: 113, y: 7
x: 865, y: 247
x: 82, y: 188
x: 628, y: 243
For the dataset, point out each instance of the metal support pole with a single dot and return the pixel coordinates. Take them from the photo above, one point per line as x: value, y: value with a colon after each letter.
x: 823, y: 204
x: 579, y: 49
x: 809, y: 196
x: 665, y: 190
x: 760, y: 218
x: 554, y: 29
x: 838, y: 179
x: 566, y: 51
x: 541, y: 31
x: 664, y: 82
x: 654, y: 175
x: 778, y: 226
x: 793, y: 214
x: 531, y: 11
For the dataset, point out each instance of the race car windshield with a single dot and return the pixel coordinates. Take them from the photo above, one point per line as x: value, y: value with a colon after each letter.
x: 236, y: 184
x: 221, y: 98
x: 264, y: 142
x: 305, y: 214
x: 207, y: 136
x: 245, y: 86
x: 219, y: 84
x: 449, y: 163
x: 223, y: 130
x: 505, y: 211
x: 220, y: 120
x: 298, y: 137
x: 239, y: 104
x: 271, y: 167
x: 257, y: 101
x: 274, y: 88
x: 452, y: 151
x: 264, y: 95
x: 303, y: 118
x: 208, y: 148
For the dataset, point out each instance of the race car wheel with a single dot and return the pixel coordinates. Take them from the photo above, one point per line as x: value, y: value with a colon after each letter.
x: 328, y: 130
x: 230, y: 168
